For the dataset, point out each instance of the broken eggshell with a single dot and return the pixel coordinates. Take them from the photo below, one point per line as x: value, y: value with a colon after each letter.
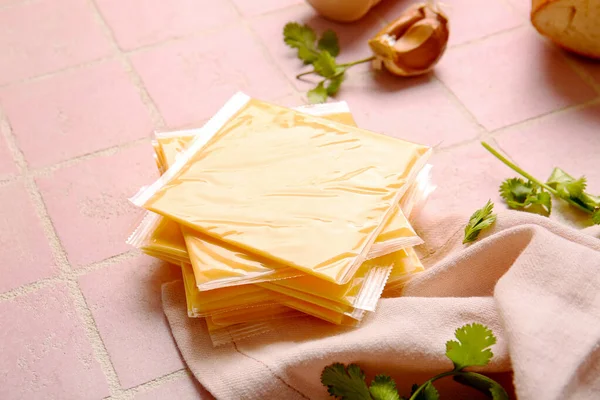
x: 413, y: 43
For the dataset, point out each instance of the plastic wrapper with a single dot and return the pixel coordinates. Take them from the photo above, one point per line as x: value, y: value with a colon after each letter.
x: 221, y: 335
x: 161, y: 237
x: 202, y: 304
x: 240, y: 179
x: 211, y: 269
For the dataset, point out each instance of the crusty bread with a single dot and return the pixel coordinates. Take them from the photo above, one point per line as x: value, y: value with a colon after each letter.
x: 572, y: 24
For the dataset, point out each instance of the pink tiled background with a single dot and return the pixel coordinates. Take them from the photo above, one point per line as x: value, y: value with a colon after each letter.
x: 84, y: 83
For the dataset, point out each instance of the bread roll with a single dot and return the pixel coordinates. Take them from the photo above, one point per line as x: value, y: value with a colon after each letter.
x: 572, y: 24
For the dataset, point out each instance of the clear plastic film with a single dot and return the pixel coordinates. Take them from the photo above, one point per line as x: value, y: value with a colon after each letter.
x: 202, y: 304
x: 218, y: 265
x: 221, y: 335
x: 241, y: 178
x: 162, y: 238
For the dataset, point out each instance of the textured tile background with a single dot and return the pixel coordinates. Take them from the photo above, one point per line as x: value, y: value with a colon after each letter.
x: 84, y: 83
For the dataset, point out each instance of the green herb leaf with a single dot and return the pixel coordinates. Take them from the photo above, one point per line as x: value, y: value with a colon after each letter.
x: 596, y: 217
x: 301, y: 37
x: 472, y: 347
x: 347, y: 385
x: 334, y: 84
x: 384, y: 388
x: 565, y: 185
x: 485, y: 385
x: 329, y: 42
x: 325, y: 64
x: 429, y: 392
x: 480, y: 220
x: 528, y: 196
x: 318, y: 94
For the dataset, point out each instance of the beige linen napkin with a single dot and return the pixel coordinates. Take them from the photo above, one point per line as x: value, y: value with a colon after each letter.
x: 534, y: 282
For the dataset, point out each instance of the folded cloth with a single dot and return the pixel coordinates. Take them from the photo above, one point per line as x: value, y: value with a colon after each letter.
x: 534, y: 282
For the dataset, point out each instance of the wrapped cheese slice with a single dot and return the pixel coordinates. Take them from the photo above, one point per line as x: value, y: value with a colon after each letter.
x: 276, y: 182
x: 216, y: 265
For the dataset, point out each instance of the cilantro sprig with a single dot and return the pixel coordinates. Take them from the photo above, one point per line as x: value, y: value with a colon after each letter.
x: 471, y: 348
x: 480, y: 220
x: 321, y: 55
x: 534, y: 195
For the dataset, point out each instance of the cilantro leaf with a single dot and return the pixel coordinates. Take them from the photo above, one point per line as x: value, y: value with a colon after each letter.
x: 325, y: 64
x: 429, y: 392
x: 480, y: 220
x: 334, y: 84
x: 565, y: 185
x: 596, y: 217
x: 318, y: 94
x: 472, y: 347
x: 528, y: 196
x: 482, y: 383
x: 329, y: 42
x: 384, y: 388
x: 301, y: 37
x: 347, y: 385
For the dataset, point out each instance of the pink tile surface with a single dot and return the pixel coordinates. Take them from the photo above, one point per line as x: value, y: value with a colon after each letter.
x: 353, y: 38
x: 469, y: 19
x: 66, y: 95
x: 191, y: 79
x: 522, y: 7
x: 466, y: 178
x: 418, y: 110
x: 79, y: 112
x: 88, y: 205
x: 185, y: 388
x: 256, y: 7
x: 7, y: 165
x: 511, y: 77
x: 126, y: 304
x: 25, y: 255
x: 568, y: 140
x: 42, y: 36
x: 45, y: 353
x: 137, y: 23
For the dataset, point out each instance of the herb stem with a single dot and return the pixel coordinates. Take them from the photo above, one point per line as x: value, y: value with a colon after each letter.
x: 361, y: 61
x: 345, y: 66
x: 435, y: 378
x: 518, y: 170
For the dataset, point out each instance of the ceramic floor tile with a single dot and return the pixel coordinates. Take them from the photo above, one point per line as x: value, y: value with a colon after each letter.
x: 185, y: 388
x: 256, y: 7
x: 26, y: 256
x: 353, y: 38
x: 568, y: 140
x: 469, y: 20
x: 45, y: 352
x: 7, y: 165
x: 137, y: 23
x: 88, y: 205
x: 418, y: 109
x: 46, y: 35
x: 191, y: 79
x: 76, y: 112
x: 466, y: 177
x: 125, y: 300
x: 511, y: 77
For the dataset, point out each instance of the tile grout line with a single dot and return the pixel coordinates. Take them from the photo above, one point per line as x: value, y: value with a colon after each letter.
x: 60, y: 257
x: 155, y: 115
x: 109, y: 151
x: 264, y: 50
x: 526, y: 122
x: 128, y: 394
